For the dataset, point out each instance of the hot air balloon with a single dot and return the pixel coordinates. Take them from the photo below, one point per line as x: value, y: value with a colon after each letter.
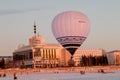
x: 70, y: 29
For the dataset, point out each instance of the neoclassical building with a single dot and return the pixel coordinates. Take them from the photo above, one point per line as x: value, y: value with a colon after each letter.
x: 40, y: 54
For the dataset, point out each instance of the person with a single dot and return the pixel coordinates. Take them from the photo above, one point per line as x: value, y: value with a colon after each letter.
x: 0, y: 74
x: 82, y: 72
x: 4, y: 75
x: 102, y: 71
x: 15, y: 76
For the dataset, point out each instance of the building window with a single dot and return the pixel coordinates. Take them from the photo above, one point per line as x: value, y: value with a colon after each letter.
x: 37, y: 52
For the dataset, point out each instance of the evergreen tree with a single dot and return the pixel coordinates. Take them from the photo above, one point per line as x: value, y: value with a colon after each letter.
x: 2, y: 63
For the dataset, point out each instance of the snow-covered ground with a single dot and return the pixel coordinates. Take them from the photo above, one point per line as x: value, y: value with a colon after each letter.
x: 65, y: 76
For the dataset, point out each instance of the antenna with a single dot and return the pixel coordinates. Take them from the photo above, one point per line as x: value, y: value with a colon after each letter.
x: 34, y: 28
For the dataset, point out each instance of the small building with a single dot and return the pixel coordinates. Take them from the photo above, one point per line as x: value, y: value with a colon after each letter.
x: 113, y: 57
x: 6, y: 61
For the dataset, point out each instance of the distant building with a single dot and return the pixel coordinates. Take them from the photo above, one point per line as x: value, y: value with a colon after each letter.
x: 113, y: 57
x: 6, y: 57
x: 6, y: 61
x: 79, y: 53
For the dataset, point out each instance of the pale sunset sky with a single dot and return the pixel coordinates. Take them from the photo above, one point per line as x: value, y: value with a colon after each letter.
x: 17, y: 19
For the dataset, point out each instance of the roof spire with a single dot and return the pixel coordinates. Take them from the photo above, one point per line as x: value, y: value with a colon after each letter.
x: 34, y: 28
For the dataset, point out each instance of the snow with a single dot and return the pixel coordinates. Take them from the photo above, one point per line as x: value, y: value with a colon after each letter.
x: 65, y: 76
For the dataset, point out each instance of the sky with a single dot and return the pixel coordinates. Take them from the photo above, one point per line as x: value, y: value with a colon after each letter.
x: 17, y: 19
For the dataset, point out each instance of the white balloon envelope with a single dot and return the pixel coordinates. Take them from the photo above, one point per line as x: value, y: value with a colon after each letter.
x: 71, y: 28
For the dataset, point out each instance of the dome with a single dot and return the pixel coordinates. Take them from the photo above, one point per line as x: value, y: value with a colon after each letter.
x: 37, y: 39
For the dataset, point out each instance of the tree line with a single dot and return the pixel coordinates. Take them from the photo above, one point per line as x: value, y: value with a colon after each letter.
x: 93, y: 60
x: 90, y: 61
x: 84, y: 61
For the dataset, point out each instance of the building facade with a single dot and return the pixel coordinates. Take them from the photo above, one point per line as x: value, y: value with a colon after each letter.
x: 40, y: 54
